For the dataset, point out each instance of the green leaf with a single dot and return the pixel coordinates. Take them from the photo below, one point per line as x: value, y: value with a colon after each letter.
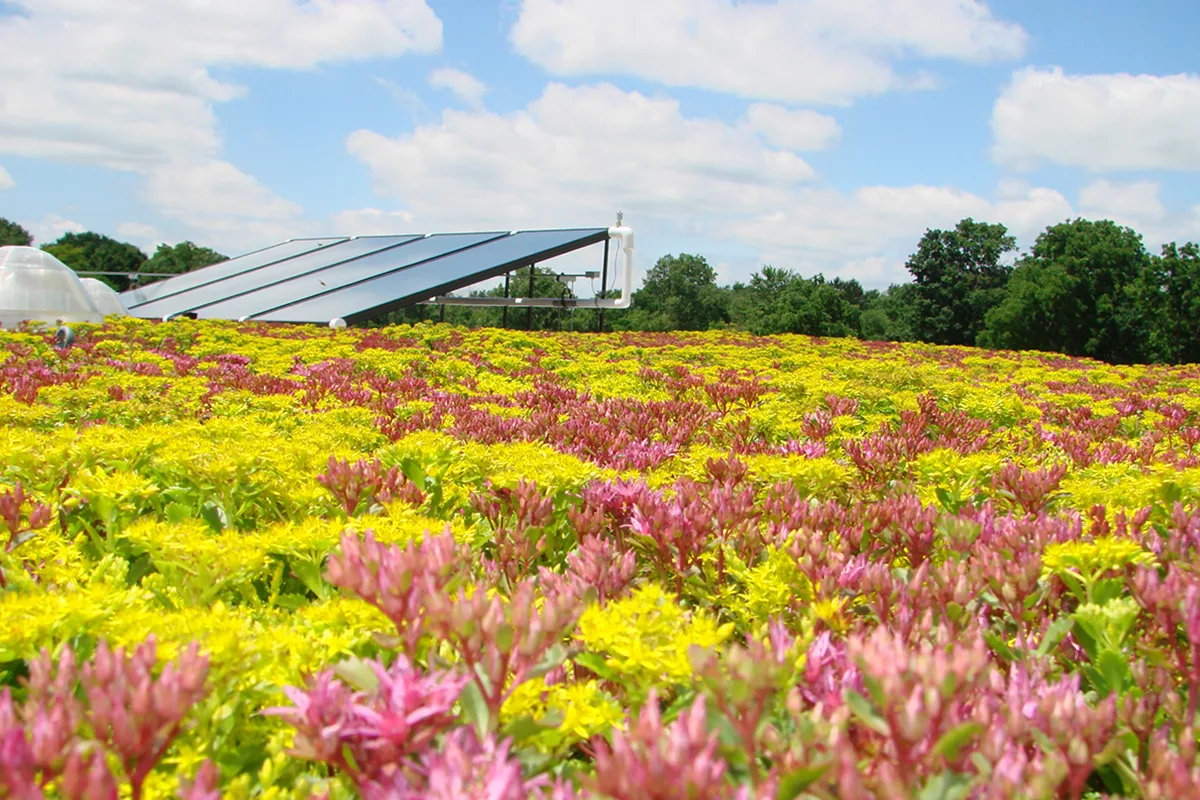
x: 309, y: 574
x: 597, y: 664
x: 1057, y: 631
x: 357, y: 673
x: 953, y: 740
x: 1000, y: 647
x: 874, y: 689
x: 177, y: 513
x: 214, y: 516
x: 796, y: 781
x: 475, y: 708
x: 526, y: 727
x: 552, y: 659
x: 504, y: 637
x: 1114, y: 666
x: 861, y: 708
x: 946, y: 786
x: 1108, y: 589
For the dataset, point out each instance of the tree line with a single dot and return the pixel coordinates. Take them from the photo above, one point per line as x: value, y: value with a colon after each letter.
x: 1085, y: 288
x: 95, y: 252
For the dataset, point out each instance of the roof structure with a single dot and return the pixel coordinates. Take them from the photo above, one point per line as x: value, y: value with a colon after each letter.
x: 352, y: 279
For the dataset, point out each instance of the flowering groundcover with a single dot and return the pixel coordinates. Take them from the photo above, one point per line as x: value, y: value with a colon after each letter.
x: 267, y: 561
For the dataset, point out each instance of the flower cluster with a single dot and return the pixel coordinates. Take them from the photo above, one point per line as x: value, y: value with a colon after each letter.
x: 422, y: 562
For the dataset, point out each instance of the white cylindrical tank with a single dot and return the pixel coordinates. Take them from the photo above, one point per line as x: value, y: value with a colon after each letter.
x: 35, y: 285
x: 106, y: 301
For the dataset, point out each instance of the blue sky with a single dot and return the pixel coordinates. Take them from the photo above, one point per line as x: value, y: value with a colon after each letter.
x: 816, y: 135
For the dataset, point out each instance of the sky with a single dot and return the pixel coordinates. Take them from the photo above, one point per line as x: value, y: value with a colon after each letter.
x: 813, y: 135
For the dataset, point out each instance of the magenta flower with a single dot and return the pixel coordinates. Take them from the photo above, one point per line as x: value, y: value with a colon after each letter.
x: 650, y: 762
x: 384, y: 731
x: 399, y: 582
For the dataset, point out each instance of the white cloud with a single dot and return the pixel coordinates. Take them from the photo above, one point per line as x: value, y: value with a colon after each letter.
x: 1099, y: 122
x: 130, y: 85
x: 127, y: 85
x: 371, y: 222
x: 49, y: 228
x: 576, y: 155
x: 793, y: 130
x: 138, y: 231
x: 869, y: 233
x: 467, y: 87
x: 6, y: 180
x: 1137, y: 201
x: 227, y: 206
x: 803, y: 51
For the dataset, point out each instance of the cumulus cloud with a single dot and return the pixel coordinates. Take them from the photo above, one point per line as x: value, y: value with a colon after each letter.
x: 371, y: 222
x: 51, y: 227
x: 6, y: 180
x: 464, y: 85
x: 867, y: 234
x: 1138, y: 200
x: 802, y: 51
x: 793, y: 130
x: 576, y: 155
x: 130, y: 85
x: 138, y: 231
x: 223, y: 203
x: 1099, y: 122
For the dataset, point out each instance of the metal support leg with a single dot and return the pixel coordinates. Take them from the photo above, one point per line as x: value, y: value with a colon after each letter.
x: 507, y: 278
x: 603, y: 285
x: 529, y: 312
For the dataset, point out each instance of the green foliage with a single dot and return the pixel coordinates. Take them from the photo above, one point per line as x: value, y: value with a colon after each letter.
x: 1169, y: 298
x: 1076, y: 292
x: 780, y: 301
x: 959, y: 278
x: 12, y: 234
x: 181, y: 258
x: 891, y: 315
x: 95, y: 252
x: 680, y: 293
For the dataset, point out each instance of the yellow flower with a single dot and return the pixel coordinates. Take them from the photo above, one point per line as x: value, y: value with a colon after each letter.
x: 645, y: 637
x: 1091, y: 559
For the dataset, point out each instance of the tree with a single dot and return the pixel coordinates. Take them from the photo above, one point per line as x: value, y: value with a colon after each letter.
x: 780, y: 301
x: 181, y: 258
x: 891, y: 315
x: 959, y: 278
x: 94, y: 252
x: 679, y: 293
x: 12, y: 234
x: 1169, y: 304
x: 1076, y: 292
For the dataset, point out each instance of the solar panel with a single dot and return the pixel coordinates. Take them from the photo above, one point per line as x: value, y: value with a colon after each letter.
x: 266, y: 276
x: 409, y: 283
x: 336, y: 276
x: 234, y: 266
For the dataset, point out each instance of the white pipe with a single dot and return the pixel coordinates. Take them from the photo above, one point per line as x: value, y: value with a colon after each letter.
x: 625, y: 234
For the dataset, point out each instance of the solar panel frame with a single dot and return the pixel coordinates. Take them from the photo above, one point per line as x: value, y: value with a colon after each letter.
x: 295, y: 313
x: 379, y: 262
x: 188, y: 281
x: 271, y: 275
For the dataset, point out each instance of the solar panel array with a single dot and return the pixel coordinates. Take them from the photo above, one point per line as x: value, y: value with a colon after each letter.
x: 355, y: 279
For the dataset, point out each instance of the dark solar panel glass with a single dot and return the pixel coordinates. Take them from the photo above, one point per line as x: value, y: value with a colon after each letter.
x: 422, y: 281
x: 224, y: 269
x: 341, y: 275
x: 253, y: 281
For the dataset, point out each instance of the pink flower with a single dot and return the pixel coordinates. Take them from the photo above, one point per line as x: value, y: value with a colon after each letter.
x: 650, y: 762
